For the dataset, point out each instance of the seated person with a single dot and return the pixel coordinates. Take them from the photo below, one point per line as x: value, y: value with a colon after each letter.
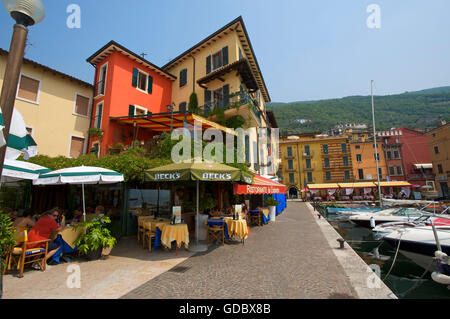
x: 99, y: 210
x: 77, y: 216
x: 45, y: 228
x: 24, y: 222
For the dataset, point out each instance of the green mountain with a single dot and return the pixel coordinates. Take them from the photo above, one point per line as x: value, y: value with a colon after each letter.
x: 419, y: 109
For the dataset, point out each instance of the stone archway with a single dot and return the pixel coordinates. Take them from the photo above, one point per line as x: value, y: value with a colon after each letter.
x: 293, y: 192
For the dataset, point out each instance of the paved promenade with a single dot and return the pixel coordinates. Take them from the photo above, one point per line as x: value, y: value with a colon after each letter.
x: 289, y: 258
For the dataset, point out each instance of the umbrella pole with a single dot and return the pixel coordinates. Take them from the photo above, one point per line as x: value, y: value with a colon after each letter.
x: 84, y: 206
x: 197, y: 247
x: 198, y: 216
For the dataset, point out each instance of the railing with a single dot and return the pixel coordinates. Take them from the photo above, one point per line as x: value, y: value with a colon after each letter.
x: 310, y: 168
x: 340, y: 165
x: 421, y: 176
x: 235, y: 100
x: 99, y: 88
x: 307, y: 155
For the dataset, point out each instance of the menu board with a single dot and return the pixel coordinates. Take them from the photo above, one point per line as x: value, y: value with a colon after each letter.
x: 176, y: 213
x: 238, y: 210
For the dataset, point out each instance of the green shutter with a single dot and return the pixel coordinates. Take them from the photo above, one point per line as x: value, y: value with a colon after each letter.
x: 135, y: 77
x: 150, y: 84
x: 131, y: 110
x: 226, y: 94
x: 207, y: 106
x: 208, y: 64
x: 225, y: 55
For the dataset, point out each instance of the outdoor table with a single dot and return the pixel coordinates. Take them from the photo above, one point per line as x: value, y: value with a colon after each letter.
x: 357, y: 198
x: 237, y: 227
x: 157, y: 225
x: 175, y: 232
x: 65, y: 239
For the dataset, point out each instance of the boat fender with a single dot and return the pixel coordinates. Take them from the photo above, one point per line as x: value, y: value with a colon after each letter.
x: 372, y: 222
x: 440, y: 278
x: 441, y: 256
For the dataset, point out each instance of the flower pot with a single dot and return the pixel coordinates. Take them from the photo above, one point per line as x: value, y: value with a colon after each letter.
x: 94, y: 254
x: 272, y: 211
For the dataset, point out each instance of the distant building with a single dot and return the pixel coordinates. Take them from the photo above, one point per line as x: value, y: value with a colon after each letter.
x: 340, y: 129
x: 314, y: 159
x: 407, y: 156
x: 56, y: 108
x: 439, y: 145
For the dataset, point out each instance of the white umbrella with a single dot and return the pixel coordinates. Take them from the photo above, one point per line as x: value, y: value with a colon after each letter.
x: 80, y: 175
x: 14, y: 170
x: 19, y: 141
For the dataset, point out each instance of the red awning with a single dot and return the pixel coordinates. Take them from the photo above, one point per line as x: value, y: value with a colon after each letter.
x: 261, y: 185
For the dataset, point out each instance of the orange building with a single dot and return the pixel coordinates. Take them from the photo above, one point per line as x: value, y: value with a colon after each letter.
x: 125, y: 85
x: 364, y: 163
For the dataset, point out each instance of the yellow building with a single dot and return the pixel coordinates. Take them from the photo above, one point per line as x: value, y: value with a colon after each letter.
x: 55, y: 107
x: 439, y: 143
x: 364, y: 163
x: 222, y: 70
x: 314, y: 159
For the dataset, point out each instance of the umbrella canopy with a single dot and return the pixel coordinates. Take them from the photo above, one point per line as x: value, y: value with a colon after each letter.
x: 200, y: 171
x: 19, y: 141
x: 14, y: 170
x: 80, y: 175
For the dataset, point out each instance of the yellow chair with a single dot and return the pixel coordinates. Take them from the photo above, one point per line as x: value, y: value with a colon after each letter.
x: 22, y: 255
x: 216, y: 233
x: 149, y: 233
x: 140, y: 231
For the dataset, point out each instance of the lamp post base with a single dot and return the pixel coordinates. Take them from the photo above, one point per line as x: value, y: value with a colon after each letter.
x: 198, y: 247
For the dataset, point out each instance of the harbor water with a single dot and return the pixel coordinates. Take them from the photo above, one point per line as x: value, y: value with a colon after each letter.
x: 406, y: 279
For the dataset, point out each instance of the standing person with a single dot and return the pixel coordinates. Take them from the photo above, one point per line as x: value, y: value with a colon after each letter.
x: 45, y: 228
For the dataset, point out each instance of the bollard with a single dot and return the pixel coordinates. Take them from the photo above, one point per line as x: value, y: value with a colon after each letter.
x: 320, y: 216
x: 341, y: 243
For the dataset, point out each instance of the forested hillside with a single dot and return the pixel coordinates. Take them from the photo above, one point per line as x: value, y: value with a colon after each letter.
x: 420, y: 109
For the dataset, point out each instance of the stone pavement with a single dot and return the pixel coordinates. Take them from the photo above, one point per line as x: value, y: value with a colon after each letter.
x: 289, y: 258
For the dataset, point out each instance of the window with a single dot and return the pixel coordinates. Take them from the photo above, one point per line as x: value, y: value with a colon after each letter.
x: 380, y: 172
x: 347, y: 175
x: 81, y: 105
x: 327, y: 176
x: 345, y: 160
x: 358, y: 157
x: 309, y: 176
x: 139, y: 110
x: 399, y: 170
x: 392, y: 170
x: 142, y: 81
x: 291, y: 178
x: 389, y: 154
x: 376, y: 156
x: 436, y: 149
x: 325, y: 148
x: 308, y: 163
x: 98, y: 115
x: 100, y: 87
x: 344, y: 147
x: 361, y: 173
x: 76, y: 146
x: 182, y: 107
x: 307, y: 150
x: 217, y: 60
x: 290, y: 164
x: 289, y: 151
x: 29, y: 89
x: 396, y: 154
x: 357, y: 147
x: 183, y: 77
x: 326, y: 162
x: 440, y: 169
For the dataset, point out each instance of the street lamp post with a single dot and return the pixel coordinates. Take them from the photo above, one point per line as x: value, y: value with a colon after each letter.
x: 170, y: 108
x: 25, y: 13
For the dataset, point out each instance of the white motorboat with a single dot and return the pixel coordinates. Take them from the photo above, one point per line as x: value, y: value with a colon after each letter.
x: 383, y: 229
x: 419, y: 243
x: 370, y: 220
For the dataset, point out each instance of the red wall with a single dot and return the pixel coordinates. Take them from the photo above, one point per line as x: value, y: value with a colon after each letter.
x: 120, y: 94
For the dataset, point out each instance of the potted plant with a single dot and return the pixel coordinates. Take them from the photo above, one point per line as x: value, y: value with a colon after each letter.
x: 6, y: 243
x: 94, y: 236
x: 272, y: 203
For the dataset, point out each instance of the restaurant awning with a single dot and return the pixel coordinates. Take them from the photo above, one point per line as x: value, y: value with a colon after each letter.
x: 425, y: 165
x: 357, y: 185
x: 323, y: 186
x: 394, y: 184
x: 261, y: 185
x: 161, y: 122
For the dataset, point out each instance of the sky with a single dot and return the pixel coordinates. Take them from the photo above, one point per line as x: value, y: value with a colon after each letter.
x: 307, y: 50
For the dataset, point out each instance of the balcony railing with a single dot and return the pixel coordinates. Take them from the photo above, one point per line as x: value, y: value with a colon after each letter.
x: 99, y: 88
x: 308, y: 154
x: 235, y: 100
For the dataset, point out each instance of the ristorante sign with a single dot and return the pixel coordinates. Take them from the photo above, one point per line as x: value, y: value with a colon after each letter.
x: 258, y: 189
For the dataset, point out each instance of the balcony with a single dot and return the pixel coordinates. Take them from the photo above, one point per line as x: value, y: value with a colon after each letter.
x: 239, y: 103
x: 420, y: 177
x: 99, y: 89
x: 307, y: 155
x: 309, y: 168
x: 337, y: 166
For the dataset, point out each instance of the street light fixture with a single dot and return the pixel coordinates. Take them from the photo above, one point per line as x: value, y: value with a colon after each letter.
x: 25, y: 13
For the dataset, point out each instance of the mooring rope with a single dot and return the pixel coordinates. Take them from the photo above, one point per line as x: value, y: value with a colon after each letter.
x: 418, y: 280
x: 395, y: 257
